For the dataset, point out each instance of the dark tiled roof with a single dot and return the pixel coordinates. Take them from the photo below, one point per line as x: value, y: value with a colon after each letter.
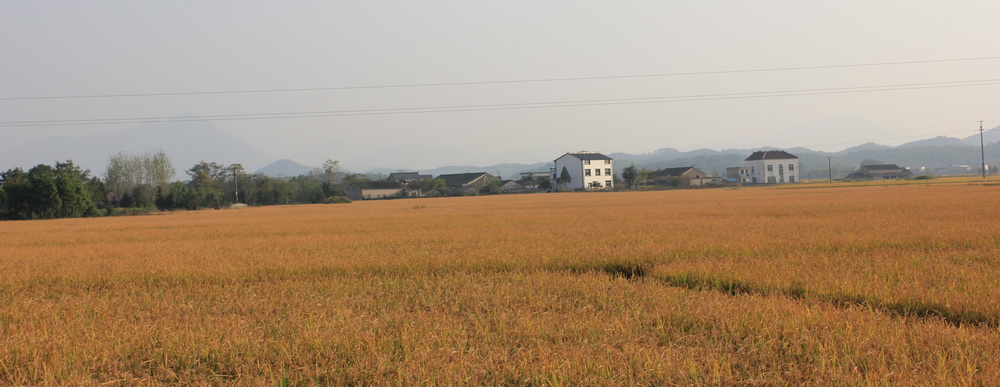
x: 672, y: 171
x: 376, y: 185
x: 407, y: 176
x: 588, y: 156
x: 458, y: 179
x: 881, y: 167
x: 770, y: 155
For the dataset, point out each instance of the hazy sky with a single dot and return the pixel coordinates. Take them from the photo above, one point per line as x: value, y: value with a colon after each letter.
x: 102, y: 47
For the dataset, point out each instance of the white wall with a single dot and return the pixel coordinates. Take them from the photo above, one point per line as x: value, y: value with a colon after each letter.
x: 576, y: 168
x: 759, y: 172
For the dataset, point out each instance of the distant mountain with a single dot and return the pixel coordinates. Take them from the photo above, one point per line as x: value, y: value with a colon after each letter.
x: 186, y: 139
x: 989, y: 136
x: 933, y: 142
x: 285, y: 168
x: 868, y: 146
x: 506, y: 171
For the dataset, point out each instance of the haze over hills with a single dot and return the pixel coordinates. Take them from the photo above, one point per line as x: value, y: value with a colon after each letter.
x: 285, y: 168
x: 188, y: 139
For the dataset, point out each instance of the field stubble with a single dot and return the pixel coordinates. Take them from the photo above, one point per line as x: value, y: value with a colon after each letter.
x: 853, y: 285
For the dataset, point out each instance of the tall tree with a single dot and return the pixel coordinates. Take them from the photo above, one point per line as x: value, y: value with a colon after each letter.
x: 15, y: 183
x: 207, y: 181
x: 127, y: 172
x: 75, y: 198
x: 564, y: 177
x: 330, y: 172
x: 629, y: 174
x: 45, y: 201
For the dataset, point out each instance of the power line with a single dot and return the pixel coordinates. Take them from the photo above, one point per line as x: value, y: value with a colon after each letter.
x: 508, y: 106
x: 495, y: 82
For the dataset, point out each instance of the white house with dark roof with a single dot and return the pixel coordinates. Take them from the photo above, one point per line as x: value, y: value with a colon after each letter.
x: 584, y: 170
x: 773, y: 167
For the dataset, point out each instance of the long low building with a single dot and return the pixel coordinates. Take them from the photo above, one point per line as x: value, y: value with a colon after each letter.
x: 365, y: 190
x: 880, y: 172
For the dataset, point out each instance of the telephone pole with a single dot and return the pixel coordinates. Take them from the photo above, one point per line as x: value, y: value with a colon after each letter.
x: 982, y: 148
x: 829, y: 166
x: 236, y: 184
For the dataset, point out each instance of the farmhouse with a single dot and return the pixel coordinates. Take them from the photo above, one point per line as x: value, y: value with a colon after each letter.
x: 773, y: 167
x: 510, y: 186
x: 738, y: 174
x: 680, y: 177
x: 880, y: 172
x: 365, y: 190
x: 407, y: 177
x: 467, y: 183
x: 536, y: 176
x: 583, y: 170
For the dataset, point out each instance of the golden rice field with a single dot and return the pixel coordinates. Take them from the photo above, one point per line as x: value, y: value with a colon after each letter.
x: 813, y: 284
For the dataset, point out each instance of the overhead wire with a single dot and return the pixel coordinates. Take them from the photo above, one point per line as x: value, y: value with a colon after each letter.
x: 508, y: 106
x: 494, y: 82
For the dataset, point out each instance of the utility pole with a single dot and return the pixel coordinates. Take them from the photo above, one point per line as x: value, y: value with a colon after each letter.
x: 982, y: 148
x: 829, y: 166
x: 236, y: 184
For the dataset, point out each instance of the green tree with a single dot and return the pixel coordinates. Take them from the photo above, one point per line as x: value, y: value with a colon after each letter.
x: 432, y: 186
x: 630, y: 174
x: 330, y: 172
x: 352, y: 178
x: 493, y: 187
x: 564, y: 177
x: 45, y: 200
x: 126, y: 171
x: 75, y: 198
x: 18, y: 191
x: 15, y: 183
x: 207, y: 179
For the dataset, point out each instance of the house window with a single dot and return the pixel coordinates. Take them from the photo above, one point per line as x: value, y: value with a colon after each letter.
x: 791, y: 179
x: 770, y: 168
x: 586, y: 172
x: 771, y: 179
x: 607, y: 171
x: 791, y: 167
x: 586, y: 162
x: 607, y: 183
x: 607, y: 162
x: 781, y: 169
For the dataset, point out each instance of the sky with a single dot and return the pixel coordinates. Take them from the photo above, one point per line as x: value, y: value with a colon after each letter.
x: 639, y: 75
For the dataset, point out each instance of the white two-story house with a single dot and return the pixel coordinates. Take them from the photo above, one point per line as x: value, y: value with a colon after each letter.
x: 773, y: 167
x: 583, y: 170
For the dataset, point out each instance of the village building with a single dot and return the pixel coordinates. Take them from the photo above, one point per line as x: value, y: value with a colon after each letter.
x: 583, y: 170
x: 537, y: 176
x: 880, y: 172
x: 467, y: 183
x: 773, y: 167
x: 510, y: 186
x: 407, y: 177
x: 367, y: 190
x: 738, y: 174
x: 680, y: 177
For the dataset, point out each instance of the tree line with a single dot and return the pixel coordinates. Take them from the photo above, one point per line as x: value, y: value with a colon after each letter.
x: 144, y: 182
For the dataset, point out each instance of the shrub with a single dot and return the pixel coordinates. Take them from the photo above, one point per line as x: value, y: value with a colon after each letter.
x: 336, y: 199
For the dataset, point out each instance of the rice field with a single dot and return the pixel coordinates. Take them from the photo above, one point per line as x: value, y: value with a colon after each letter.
x: 816, y: 284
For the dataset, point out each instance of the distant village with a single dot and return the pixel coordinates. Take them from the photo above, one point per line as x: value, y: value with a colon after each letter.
x: 146, y: 183
x: 594, y: 171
